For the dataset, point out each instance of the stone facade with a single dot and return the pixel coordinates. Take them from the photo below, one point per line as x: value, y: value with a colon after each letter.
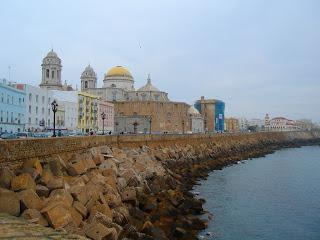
x: 231, y: 124
x: 132, y: 124
x: 171, y: 117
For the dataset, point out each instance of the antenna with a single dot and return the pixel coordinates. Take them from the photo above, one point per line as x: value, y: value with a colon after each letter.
x: 9, y: 70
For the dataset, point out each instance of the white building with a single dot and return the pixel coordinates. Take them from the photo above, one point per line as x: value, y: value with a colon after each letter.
x: 281, y: 124
x: 67, y: 114
x: 196, y: 120
x: 243, y: 124
x: 38, y: 107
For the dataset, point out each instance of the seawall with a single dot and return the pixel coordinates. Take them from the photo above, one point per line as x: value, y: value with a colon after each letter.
x: 125, y: 187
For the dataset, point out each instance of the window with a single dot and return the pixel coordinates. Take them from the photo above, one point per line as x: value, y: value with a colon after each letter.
x: 30, y: 109
x: 1, y: 116
x: 42, y: 99
x: 7, y: 116
x: 19, y: 101
x: 47, y: 73
x: 8, y: 97
x: 37, y: 98
x: 29, y: 120
x: 52, y: 74
x: 58, y: 74
x: 36, y: 121
x: 19, y: 118
x: 85, y: 84
x: 1, y: 97
x: 49, y: 111
x: 48, y: 122
x: 36, y: 109
x: 12, y: 100
x: 30, y: 97
x: 11, y: 117
x: 49, y: 100
x: 42, y: 111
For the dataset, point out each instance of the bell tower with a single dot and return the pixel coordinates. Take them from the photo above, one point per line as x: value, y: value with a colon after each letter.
x: 51, y: 72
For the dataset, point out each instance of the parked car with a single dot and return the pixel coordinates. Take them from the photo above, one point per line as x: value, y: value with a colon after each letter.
x: 8, y: 136
x: 25, y: 135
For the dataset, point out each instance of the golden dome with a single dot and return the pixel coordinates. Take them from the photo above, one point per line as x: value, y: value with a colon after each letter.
x: 118, y: 71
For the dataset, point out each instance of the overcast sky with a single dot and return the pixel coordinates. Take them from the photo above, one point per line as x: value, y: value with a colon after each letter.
x: 259, y: 56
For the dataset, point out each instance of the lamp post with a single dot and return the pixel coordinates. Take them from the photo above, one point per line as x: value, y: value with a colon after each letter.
x: 182, y: 126
x: 103, y: 116
x: 54, y: 106
x: 150, y: 122
x: 135, y: 129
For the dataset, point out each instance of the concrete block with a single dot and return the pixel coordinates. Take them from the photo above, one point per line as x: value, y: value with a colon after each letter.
x: 30, y: 200
x: 9, y: 202
x: 22, y: 182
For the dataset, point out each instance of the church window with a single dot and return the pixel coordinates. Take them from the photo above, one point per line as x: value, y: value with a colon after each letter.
x: 85, y: 84
x: 47, y: 73
x: 52, y: 74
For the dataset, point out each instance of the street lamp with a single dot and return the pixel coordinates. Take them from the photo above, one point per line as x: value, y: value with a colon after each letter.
x: 103, y: 116
x: 150, y: 122
x: 54, y: 106
x: 182, y: 126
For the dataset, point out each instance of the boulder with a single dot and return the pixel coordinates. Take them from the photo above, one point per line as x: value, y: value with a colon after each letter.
x: 9, y: 202
x: 80, y: 208
x: 34, y: 216
x: 33, y: 163
x: 5, y: 177
x: 109, y: 164
x: 22, y: 182
x: 77, y: 168
x: 80, y: 194
x: 58, y: 214
x: 30, y: 200
x: 129, y: 194
x: 42, y: 191
x: 97, y: 231
x: 102, y: 208
x: 56, y: 183
x: 61, y: 195
x: 77, y: 217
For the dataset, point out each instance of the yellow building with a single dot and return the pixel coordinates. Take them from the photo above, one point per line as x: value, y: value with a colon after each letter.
x: 88, y: 112
x: 231, y: 124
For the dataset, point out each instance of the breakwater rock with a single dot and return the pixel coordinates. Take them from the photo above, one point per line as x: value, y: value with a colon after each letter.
x: 138, y: 191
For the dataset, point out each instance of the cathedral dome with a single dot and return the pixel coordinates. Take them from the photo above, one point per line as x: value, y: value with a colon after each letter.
x: 52, y: 54
x: 148, y: 87
x: 119, y: 71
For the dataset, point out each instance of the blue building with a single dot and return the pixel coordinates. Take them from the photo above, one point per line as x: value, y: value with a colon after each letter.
x: 212, y: 110
x: 219, y: 115
x: 12, y: 108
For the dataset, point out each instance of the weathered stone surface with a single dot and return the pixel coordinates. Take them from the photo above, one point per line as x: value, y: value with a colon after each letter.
x: 77, y: 168
x: 77, y: 217
x: 58, y: 215
x: 42, y: 191
x: 9, y: 202
x: 56, y: 183
x: 109, y: 164
x: 129, y: 194
x: 97, y: 231
x: 61, y: 195
x: 5, y: 177
x: 102, y: 208
x: 22, y: 182
x: 34, y: 216
x: 33, y: 163
x: 80, y: 208
x: 30, y: 200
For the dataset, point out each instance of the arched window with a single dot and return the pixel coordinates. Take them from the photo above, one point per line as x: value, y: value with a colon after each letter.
x: 52, y: 74
x: 47, y: 73
x: 85, y: 84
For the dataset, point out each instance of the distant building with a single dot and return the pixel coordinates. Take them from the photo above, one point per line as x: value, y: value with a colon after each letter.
x: 212, y: 111
x: 281, y: 124
x: 231, y: 124
x: 132, y: 124
x: 12, y: 108
x: 243, y: 124
x: 67, y: 114
x: 38, y: 107
x: 87, y: 112
x: 196, y: 120
x: 107, y: 109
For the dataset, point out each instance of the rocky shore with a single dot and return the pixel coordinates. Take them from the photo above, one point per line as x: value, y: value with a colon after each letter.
x: 142, y: 192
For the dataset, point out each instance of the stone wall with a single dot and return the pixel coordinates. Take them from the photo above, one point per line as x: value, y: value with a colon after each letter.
x: 13, y: 152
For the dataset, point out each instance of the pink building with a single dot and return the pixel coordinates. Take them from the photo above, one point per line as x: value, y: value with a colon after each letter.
x: 108, y: 109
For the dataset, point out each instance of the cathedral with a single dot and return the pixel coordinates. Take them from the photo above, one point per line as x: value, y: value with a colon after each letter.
x: 146, y: 109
